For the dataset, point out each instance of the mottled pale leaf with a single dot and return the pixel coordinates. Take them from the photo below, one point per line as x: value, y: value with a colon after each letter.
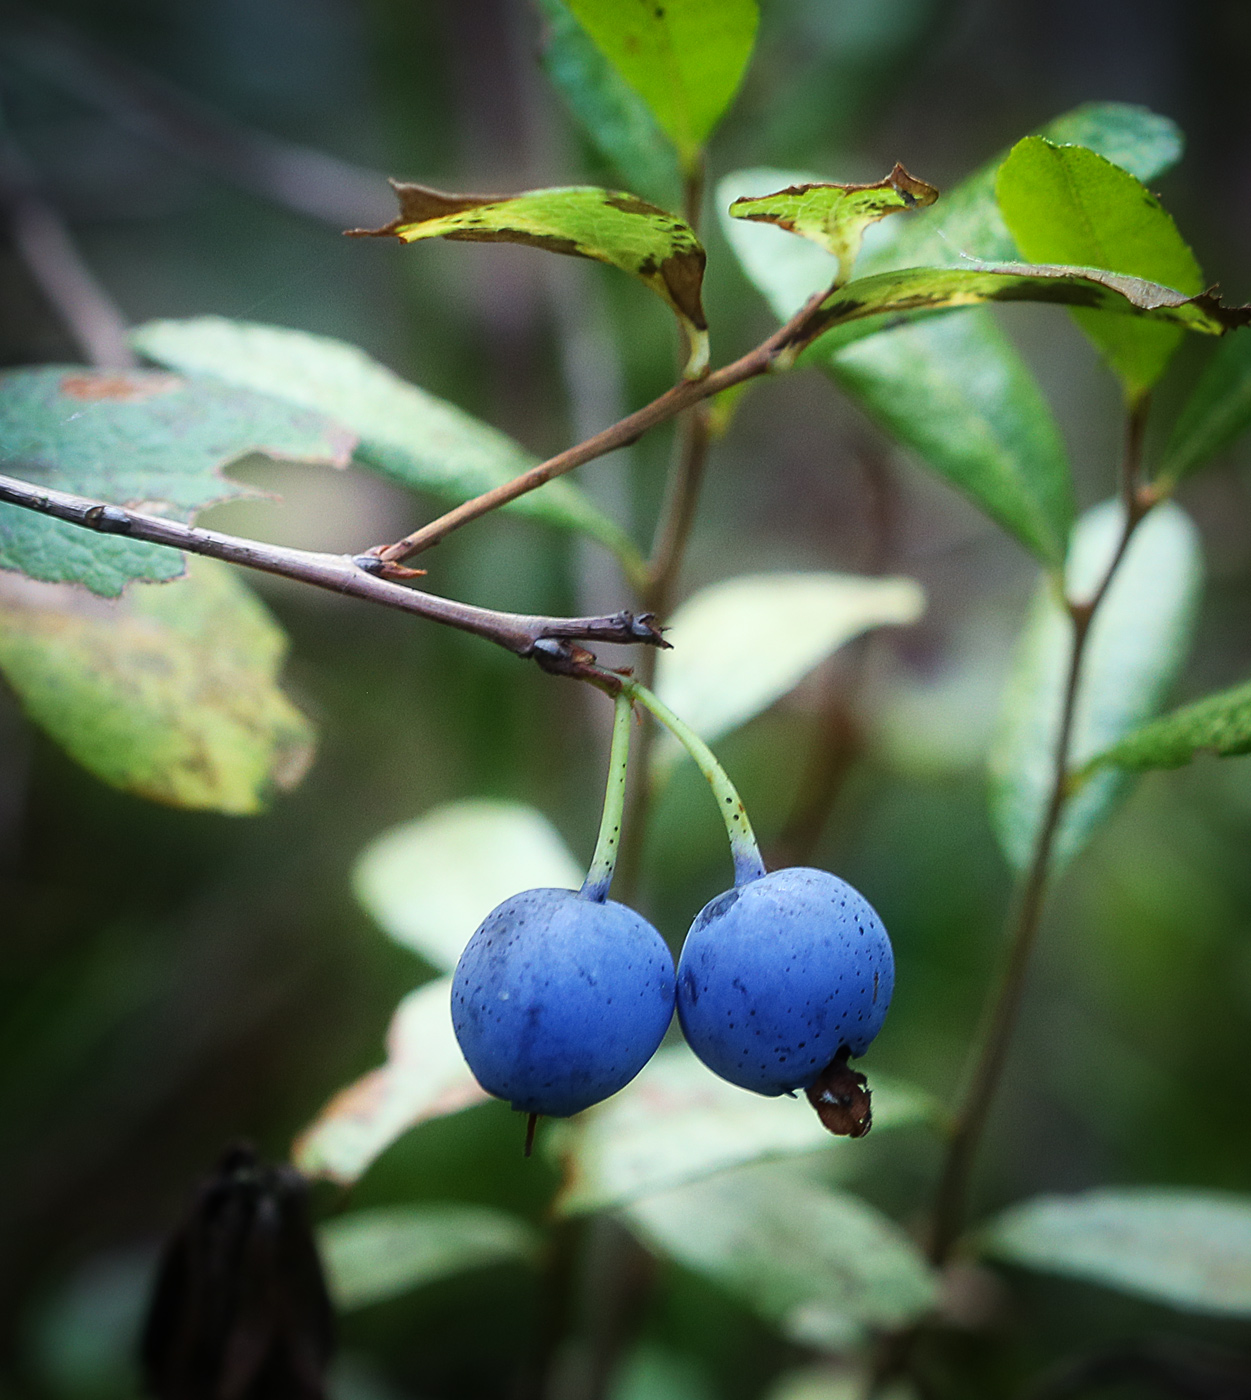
x: 1067, y: 204
x: 845, y: 1382
x: 170, y: 691
x: 613, y: 115
x: 1218, y: 724
x: 1217, y: 412
x: 1137, y: 645
x: 405, y: 434
x: 372, y: 1255
x: 822, y: 1265
x: 626, y: 232
x: 1187, y: 1249
x: 429, y: 883
x: 915, y: 291
x: 740, y: 645
x: 425, y: 1076
x: 134, y: 438
x: 685, y: 58
x: 676, y: 1122
x: 954, y: 389
x: 835, y: 217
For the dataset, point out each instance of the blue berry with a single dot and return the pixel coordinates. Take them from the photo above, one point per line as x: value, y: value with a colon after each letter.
x: 779, y: 974
x: 559, y: 1000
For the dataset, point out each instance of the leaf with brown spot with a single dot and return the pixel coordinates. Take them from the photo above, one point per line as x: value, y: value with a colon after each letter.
x: 143, y: 436
x: 836, y: 216
x: 581, y: 220
x: 170, y: 692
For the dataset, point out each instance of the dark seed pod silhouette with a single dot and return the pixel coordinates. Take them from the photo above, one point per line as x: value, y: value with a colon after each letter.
x: 240, y: 1309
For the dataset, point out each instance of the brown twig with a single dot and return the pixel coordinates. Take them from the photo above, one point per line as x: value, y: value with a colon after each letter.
x: 551, y: 641
x: 1004, y: 1007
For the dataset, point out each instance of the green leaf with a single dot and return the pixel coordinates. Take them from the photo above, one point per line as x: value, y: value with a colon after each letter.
x: 614, y: 116
x: 1217, y: 411
x: 955, y: 390
x: 405, y: 434
x: 134, y: 438
x: 677, y: 1123
x: 838, y: 1383
x: 425, y: 1077
x: 1067, y: 204
x: 429, y: 883
x: 742, y: 644
x: 1187, y: 1249
x: 651, y: 1372
x: 835, y: 217
x: 625, y: 232
x: 685, y: 58
x: 1218, y: 724
x: 372, y: 1255
x: 170, y: 692
x: 1136, y: 647
x: 822, y: 1265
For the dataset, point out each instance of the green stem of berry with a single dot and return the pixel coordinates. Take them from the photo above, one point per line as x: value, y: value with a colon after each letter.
x: 748, y: 864
x: 604, y: 861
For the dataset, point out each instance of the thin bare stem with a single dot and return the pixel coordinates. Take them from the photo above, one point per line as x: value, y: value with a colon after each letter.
x: 1003, y: 1009
x: 551, y: 641
x: 688, y: 392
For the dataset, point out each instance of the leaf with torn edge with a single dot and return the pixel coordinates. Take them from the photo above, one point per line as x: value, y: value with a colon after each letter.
x: 170, y: 692
x: 676, y: 1123
x: 685, y: 58
x: 1218, y: 724
x: 406, y: 434
x: 372, y: 1255
x: 425, y: 1076
x: 141, y: 438
x: 836, y: 216
x: 740, y: 645
x: 1067, y: 204
x: 429, y: 883
x: 621, y: 230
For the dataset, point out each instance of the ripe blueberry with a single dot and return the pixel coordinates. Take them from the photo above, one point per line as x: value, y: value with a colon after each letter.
x: 778, y: 974
x: 559, y: 1000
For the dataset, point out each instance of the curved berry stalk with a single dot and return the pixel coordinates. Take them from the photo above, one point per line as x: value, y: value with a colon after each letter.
x: 748, y: 863
x: 604, y: 861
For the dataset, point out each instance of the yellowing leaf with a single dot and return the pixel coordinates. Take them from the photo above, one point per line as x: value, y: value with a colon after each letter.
x: 836, y: 216
x: 587, y: 222
x: 425, y: 1077
x: 169, y: 692
x: 685, y: 58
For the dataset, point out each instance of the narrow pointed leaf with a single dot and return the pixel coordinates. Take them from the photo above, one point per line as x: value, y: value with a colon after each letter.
x: 676, y: 1123
x: 1067, y: 204
x: 135, y: 438
x: 622, y: 230
x: 823, y: 1266
x: 425, y: 1076
x: 955, y: 389
x: 372, y: 1255
x: 614, y: 116
x: 404, y: 434
x: 742, y: 644
x: 1136, y: 647
x: 1218, y: 724
x: 835, y: 216
x: 1217, y: 412
x: 429, y: 883
x: 170, y: 692
x: 685, y: 58
x: 1186, y: 1249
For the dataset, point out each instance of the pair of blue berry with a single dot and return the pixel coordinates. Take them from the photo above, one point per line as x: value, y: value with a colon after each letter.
x: 562, y: 996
